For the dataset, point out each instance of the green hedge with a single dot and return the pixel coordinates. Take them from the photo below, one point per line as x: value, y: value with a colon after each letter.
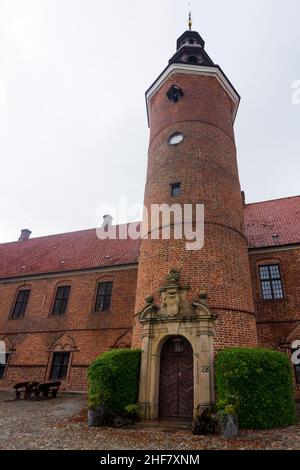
x: 114, y: 379
x: 262, y: 381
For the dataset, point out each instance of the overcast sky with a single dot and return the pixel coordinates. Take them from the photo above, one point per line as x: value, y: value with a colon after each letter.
x: 73, y: 128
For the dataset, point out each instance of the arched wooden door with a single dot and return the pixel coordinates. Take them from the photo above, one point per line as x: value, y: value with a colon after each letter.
x: 176, y: 397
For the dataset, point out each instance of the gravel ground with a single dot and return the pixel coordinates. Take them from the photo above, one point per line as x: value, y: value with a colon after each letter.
x: 61, y: 424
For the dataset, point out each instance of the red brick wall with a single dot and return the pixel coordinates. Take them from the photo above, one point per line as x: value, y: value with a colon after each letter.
x: 276, y: 319
x: 204, y: 101
x: 205, y: 164
x: 33, y: 336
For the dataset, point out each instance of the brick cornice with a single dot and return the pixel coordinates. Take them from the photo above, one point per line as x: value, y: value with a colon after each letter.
x: 74, y: 330
x: 68, y: 273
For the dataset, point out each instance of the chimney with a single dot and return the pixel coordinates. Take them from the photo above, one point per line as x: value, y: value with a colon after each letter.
x: 107, y: 221
x: 25, y: 235
x: 244, y: 198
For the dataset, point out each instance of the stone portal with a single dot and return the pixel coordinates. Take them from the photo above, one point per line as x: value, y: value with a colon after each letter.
x: 176, y: 325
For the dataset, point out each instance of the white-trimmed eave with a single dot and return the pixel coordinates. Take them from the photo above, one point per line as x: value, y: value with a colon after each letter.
x: 195, y: 70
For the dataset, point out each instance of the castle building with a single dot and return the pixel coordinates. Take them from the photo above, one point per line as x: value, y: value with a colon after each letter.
x: 65, y: 299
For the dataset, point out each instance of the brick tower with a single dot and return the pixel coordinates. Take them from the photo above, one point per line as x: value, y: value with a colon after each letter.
x: 192, y: 160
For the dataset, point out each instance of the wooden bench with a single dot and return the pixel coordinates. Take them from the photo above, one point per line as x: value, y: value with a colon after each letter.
x: 47, y: 388
x: 27, y: 388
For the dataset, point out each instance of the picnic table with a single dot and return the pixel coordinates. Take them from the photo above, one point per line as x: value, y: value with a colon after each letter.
x: 36, y: 390
x: 47, y: 388
x: 27, y: 388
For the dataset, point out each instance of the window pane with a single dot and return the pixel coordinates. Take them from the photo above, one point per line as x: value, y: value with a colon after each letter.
x: 60, y: 293
x: 101, y: 288
x: 63, y: 372
x: 65, y: 359
x: 267, y: 290
x: 18, y: 310
x: 275, y: 272
x: 108, y: 287
x: 56, y: 308
x: 55, y: 373
x: 22, y: 296
x: 61, y: 300
x: 176, y: 190
x: 106, y: 303
x: 63, y: 307
x: 60, y: 366
x: 277, y: 289
x: 264, y: 273
x: 99, y: 302
x: 103, y: 299
x: 21, y: 304
x: 64, y: 292
x: 57, y: 359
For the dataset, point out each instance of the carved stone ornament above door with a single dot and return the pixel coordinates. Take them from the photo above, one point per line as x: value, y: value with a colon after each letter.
x: 174, y: 304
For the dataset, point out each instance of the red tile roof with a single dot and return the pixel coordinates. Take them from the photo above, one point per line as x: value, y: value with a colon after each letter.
x: 270, y: 223
x: 66, y: 252
x: 273, y: 223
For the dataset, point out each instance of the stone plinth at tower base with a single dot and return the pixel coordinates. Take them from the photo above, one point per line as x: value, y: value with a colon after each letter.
x: 177, y: 370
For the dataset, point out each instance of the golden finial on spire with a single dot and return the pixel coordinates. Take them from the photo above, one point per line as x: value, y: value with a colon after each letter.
x: 190, y: 17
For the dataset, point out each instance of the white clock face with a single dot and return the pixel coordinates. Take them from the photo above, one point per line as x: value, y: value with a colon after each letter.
x: 175, y: 139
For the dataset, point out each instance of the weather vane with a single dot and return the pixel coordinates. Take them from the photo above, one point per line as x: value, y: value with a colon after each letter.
x: 190, y: 17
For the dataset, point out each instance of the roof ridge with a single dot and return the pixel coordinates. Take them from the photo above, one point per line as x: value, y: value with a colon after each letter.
x: 67, y: 233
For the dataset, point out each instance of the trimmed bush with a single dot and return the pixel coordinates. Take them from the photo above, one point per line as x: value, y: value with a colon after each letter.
x: 114, y: 380
x: 262, y: 382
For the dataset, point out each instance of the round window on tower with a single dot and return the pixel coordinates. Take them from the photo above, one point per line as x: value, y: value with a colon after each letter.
x: 176, y: 138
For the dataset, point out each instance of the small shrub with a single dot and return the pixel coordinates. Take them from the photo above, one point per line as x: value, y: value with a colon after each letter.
x: 114, y: 380
x: 228, y: 405
x: 262, y: 382
x: 132, y: 411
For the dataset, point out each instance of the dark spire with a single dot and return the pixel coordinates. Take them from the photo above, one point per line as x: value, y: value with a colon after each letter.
x: 190, y: 49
